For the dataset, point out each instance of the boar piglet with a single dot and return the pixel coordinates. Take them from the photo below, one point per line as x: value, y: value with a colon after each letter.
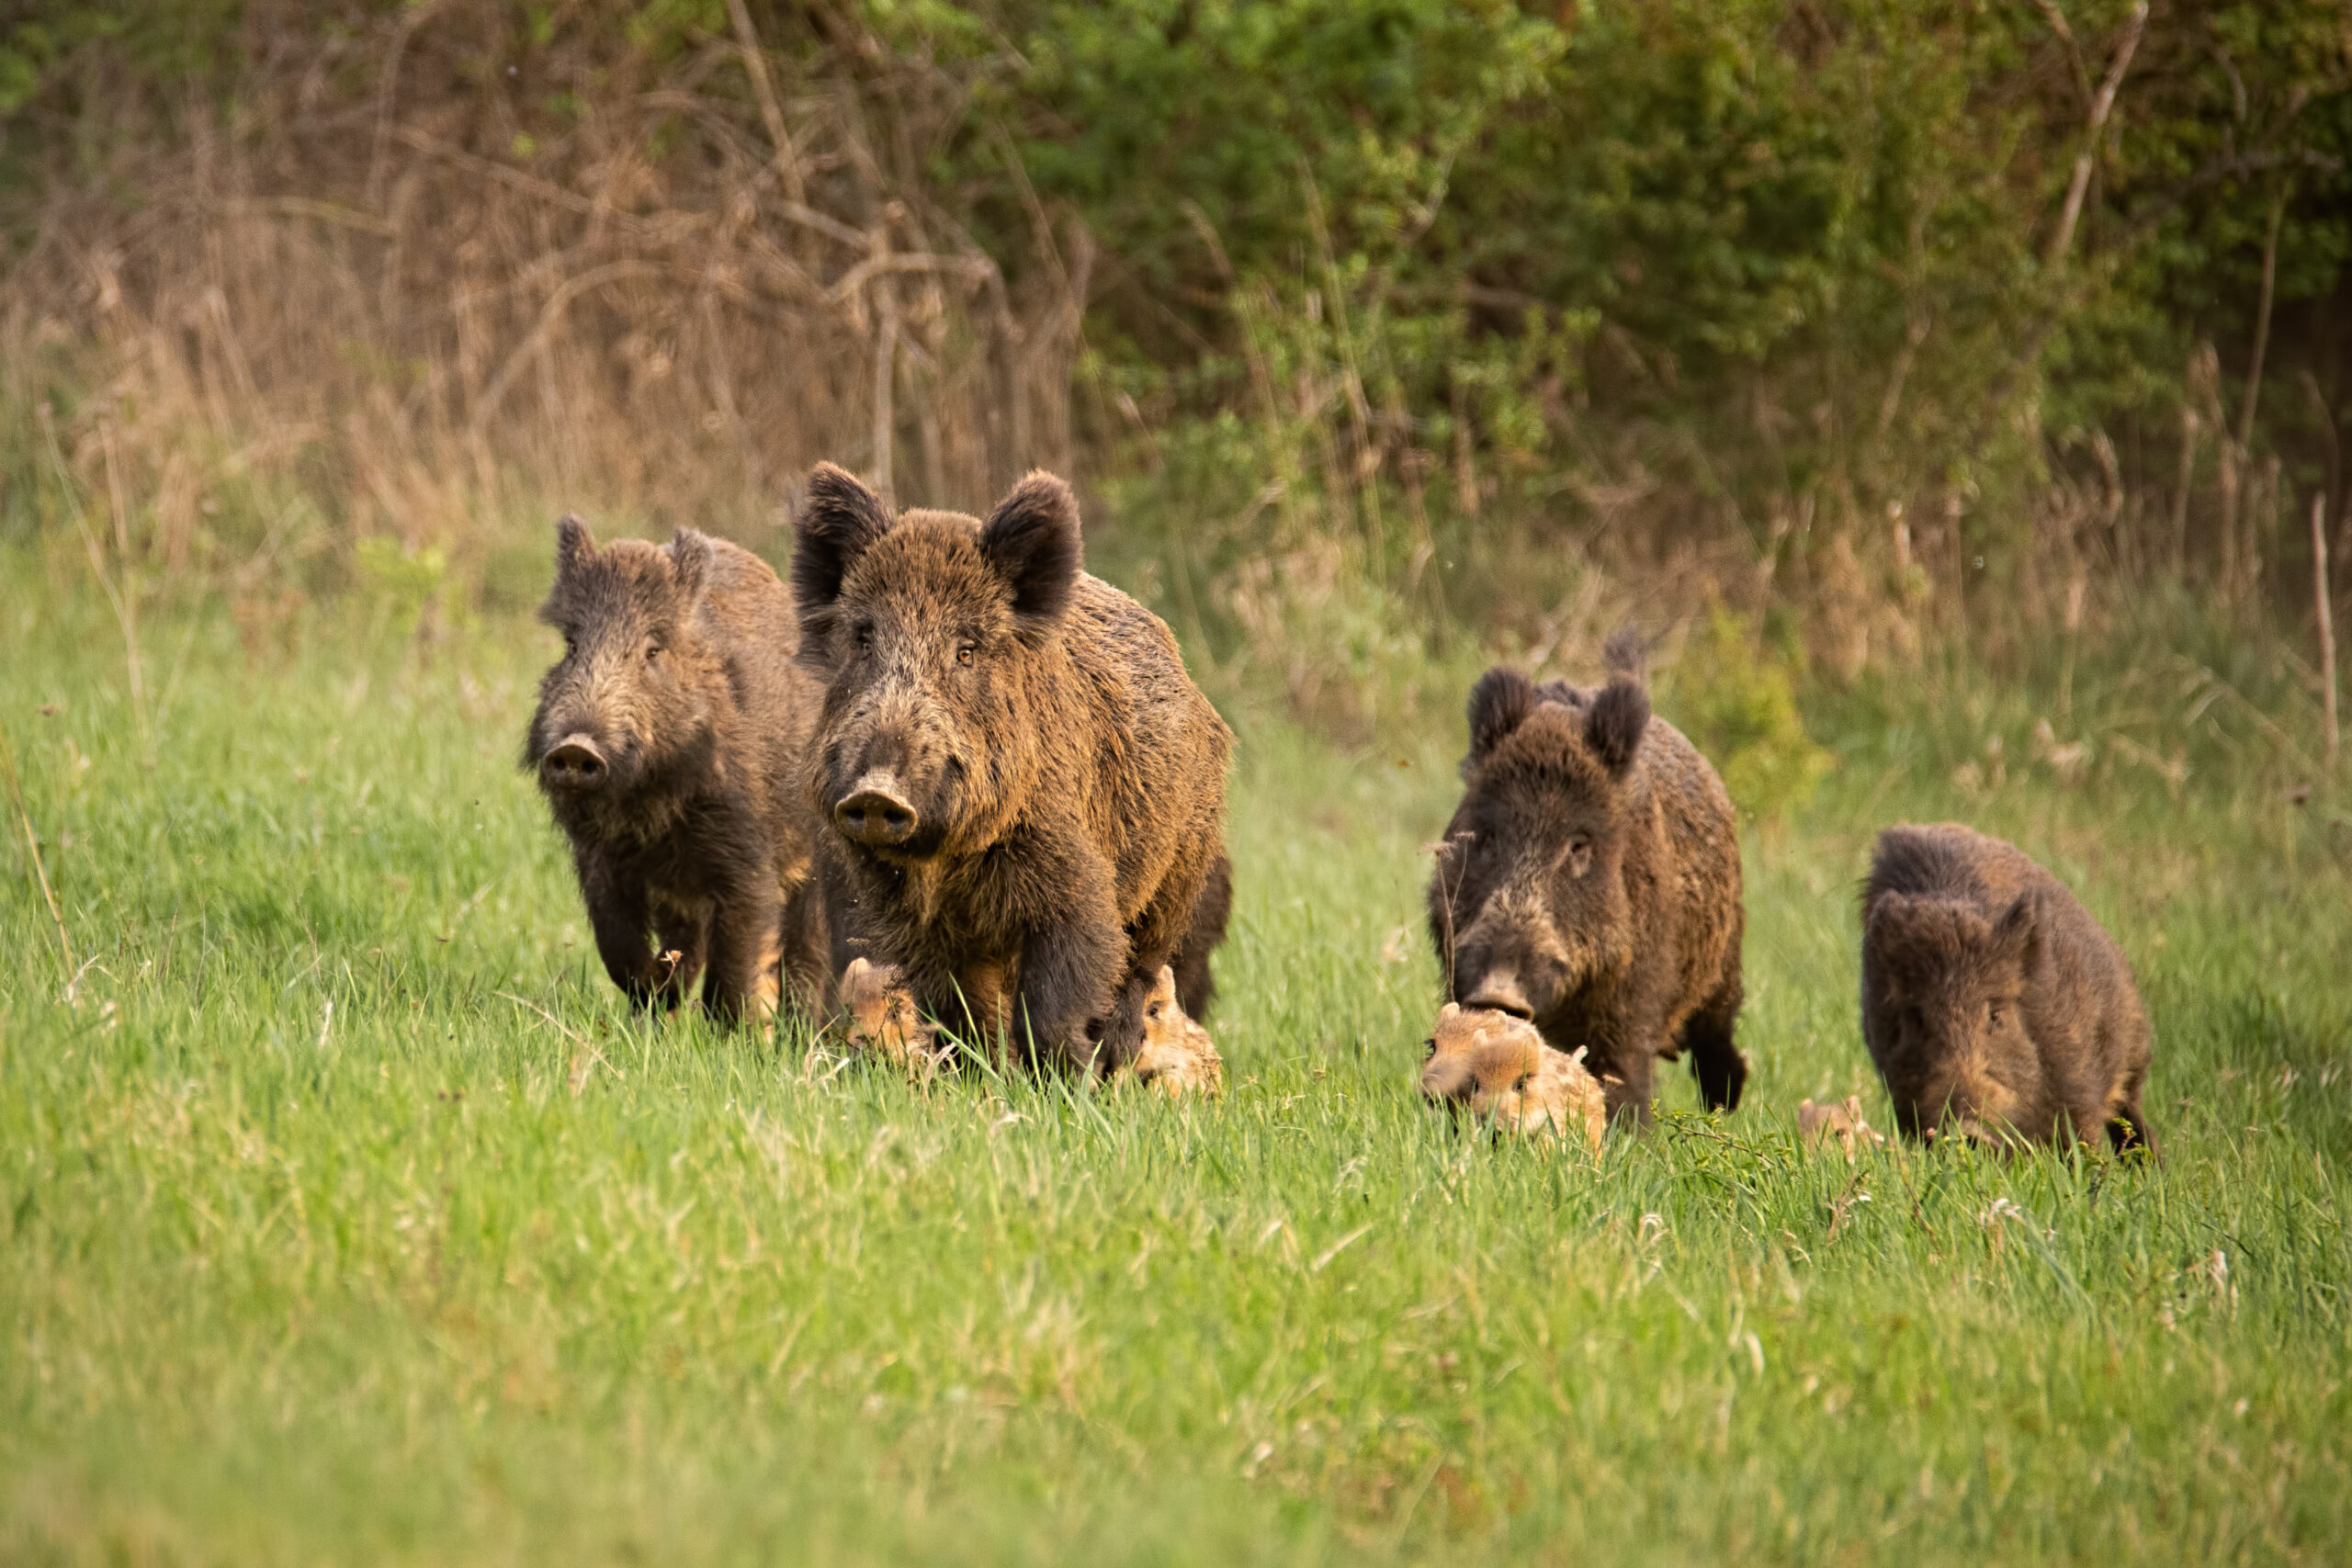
x: 1025, y: 789
x: 1177, y: 1058
x: 669, y: 741
x: 1817, y: 1125
x: 879, y: 1019
x: 1589, y: 883
x: 1498, y: 1069
x: 1995, y: 1006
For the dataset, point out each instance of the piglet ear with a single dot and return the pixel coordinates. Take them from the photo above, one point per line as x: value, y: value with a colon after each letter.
x: 1500, y: 703
x: 1450, y: 1009
x: 1163, y: 989
x: 690, y: 558
x: 1031, y: 541
x: 573, y: 544
x: 1614, y: 728
x: 839, y: 520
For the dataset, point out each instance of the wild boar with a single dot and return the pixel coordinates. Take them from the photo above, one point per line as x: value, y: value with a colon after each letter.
x: 1995, y: 1006
x: 1589, y: 883
x: 1024, y: 786
x: 1498, y: 1069
x: 1177, y: 1056
x: 670, y: 742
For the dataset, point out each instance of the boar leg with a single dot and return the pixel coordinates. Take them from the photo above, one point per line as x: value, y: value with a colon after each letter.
x: 1195, y: 987
x: 617, y: 913
x: 1716, y: 1061
x: 743, y: 933
x: 684, y: 933
x: 1169, y: 924
x: 1068, y: 973
x: 2127, y: 1126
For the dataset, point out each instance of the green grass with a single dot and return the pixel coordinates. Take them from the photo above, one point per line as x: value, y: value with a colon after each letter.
x: 311, y: 1252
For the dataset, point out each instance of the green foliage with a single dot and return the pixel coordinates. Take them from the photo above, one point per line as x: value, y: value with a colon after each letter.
x: 1735, y: 696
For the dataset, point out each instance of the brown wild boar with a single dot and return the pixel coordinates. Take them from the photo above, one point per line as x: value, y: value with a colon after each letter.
x: 1177, y: 1058
x: 670, y: 741
x: 1817, y: 1124
x: 1994, y: 1005
x: 880, y: 1019
x: 1497, y: 1068
x: 1589, y: 882
x: 1026, y: 790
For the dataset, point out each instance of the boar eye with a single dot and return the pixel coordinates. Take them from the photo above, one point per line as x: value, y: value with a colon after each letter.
x: 652, y: 652
x: 1992, y: 1014
x: 965, y: 652
x: 863, y: 633
x: 1579, y: 855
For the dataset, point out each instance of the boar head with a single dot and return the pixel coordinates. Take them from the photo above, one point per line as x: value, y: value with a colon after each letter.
x: 934, y: 634
x: 1528, y: 902
x: 632, y: 698
x: 1949, y: 985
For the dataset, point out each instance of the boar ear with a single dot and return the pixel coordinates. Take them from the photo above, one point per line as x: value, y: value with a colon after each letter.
x: 1031, y: 541
x: 1614, y: 728
x: 573, y: 544
x: 690, y: 558
x: 2016, y: 933
x: 1500, y: 703
x: 840, y: 519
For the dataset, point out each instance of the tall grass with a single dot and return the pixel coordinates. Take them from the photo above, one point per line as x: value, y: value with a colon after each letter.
x: 345, y: 1216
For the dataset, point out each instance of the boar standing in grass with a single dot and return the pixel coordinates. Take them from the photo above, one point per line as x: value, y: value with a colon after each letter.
x: 670, y: 741
x: 1177, y: 1056
x: 1497, y: 1068
x: 1994, y: 1005
x: 1589, y: 882
x: 1026, y: 790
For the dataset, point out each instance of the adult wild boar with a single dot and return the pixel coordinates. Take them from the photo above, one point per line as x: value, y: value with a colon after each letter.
x: 1993, y: 1004
x: 1589, y: 882
x: 669, y: 743
x: 1026, y: 789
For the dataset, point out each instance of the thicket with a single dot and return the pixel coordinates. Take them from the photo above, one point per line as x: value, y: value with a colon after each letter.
x: 1374, y: 328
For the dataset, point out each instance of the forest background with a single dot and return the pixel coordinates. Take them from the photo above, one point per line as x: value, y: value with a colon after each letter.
x: 1382, y: 337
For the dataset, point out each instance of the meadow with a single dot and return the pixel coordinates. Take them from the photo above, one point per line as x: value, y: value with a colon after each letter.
x: 346, y: 1215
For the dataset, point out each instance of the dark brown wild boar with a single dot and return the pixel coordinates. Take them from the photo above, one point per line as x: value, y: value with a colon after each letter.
x: 670, y: 742
x: 1994, y: 1005
x: 1026, y: 790
x: 1589, y: 882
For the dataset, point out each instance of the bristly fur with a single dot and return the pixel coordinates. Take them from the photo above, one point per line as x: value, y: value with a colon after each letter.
x: 1062, y: 778
x: 1994, y: 1005
x: 1590, y: 877
x: 678, y: 667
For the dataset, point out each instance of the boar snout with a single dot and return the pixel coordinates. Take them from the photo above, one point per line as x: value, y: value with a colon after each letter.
x: 876, y: 813
x: 574, y: 762
x: 1499, y: 990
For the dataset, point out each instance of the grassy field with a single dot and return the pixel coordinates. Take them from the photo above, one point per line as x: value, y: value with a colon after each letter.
x: 345, y: 1217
